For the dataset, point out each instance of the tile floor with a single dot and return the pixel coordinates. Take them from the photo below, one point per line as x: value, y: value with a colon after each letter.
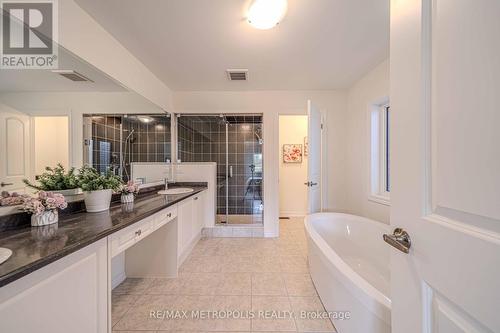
x: 230, y: 275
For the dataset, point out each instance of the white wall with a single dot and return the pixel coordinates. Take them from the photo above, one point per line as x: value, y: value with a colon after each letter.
x: 373, y: 87
x: 75, y: 105
x: 333, y: 105
x: 51, y: 142
x: 292, y: 176
x: 83, y: 36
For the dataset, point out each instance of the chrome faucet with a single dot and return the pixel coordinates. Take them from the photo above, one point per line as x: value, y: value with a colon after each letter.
x: 169, y: 174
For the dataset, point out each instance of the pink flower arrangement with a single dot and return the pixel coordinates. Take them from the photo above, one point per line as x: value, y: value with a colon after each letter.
x: 45, y: 201
x: 129, y: 188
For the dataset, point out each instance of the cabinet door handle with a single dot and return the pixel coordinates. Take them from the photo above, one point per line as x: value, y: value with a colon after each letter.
x: 195, y: 198
x: 138, y: 232
x: 169, y: 215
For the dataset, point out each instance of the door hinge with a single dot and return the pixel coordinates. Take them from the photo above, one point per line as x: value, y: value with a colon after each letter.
x: 321, y: 126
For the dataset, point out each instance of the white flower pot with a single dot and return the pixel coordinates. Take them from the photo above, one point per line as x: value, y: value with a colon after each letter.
x: 72, y: 195
x: 46, y: 218
x: 97, y: 201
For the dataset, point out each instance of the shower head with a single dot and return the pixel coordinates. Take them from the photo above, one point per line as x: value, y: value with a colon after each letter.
x: 129, y: 136
x: 223, y: 120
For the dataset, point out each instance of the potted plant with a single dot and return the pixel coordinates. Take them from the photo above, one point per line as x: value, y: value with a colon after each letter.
x: 129, y: 191
x: 97, y: 188
x: 44, y: 207
x: 57, y: 180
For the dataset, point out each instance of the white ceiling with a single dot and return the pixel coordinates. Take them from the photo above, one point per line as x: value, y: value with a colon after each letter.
x: 320, y: 44
x: 43, y: 80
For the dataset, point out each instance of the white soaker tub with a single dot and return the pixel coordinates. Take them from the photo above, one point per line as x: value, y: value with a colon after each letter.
x: 349, y: 265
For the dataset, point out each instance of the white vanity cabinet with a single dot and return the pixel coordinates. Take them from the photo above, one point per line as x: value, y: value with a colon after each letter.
x: 68, y: 295
x: 190, y: 222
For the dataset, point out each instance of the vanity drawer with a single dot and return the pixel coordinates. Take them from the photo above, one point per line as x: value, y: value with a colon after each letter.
x: 165, y: 216
x: 127, y: 237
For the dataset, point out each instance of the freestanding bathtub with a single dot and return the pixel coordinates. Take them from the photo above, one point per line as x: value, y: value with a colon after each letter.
x: 349, y: 265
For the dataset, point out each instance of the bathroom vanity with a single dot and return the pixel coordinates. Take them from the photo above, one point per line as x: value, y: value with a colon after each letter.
x: 59, y: 276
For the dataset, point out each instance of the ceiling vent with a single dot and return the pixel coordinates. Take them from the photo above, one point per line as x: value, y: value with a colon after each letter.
x: 72, y: 75
x: 237, y: 74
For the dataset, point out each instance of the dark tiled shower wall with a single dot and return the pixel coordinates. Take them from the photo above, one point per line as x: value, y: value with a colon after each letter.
x: 106, y: 142
x: 150, y: 142
x: 203, y: 139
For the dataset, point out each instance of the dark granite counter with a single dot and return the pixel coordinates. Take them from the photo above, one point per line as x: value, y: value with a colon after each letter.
x: 36, y: 247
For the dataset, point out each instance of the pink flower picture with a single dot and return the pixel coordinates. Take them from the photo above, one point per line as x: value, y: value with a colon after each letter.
x: 292, y: 153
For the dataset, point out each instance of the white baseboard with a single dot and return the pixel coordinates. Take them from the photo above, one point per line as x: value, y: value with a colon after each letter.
x: 293, y: 214
x: 117, y: 279
x: 270, y: 234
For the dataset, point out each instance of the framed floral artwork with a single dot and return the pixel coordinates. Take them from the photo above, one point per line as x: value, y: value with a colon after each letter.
x: 292, y: 153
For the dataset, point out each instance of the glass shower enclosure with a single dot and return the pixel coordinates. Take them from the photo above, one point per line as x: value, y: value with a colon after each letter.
x: 234, y: 142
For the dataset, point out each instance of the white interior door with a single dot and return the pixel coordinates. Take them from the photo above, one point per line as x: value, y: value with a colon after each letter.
x: 313, y: 158
x: 445, y: 149
x: 14, y: 149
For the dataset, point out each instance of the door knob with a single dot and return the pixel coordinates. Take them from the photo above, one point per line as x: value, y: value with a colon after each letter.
x: 399, y: 239
x: 313, y: 184
x: 2, y: 184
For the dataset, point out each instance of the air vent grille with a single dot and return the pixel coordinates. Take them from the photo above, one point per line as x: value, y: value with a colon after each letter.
x: 73, y: 76
x: 237, y: 74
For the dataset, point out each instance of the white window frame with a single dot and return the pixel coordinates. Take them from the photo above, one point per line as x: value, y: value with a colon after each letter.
x: 377, y: 152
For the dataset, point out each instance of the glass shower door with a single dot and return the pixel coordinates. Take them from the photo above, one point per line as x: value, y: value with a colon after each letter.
x: 234, y: 142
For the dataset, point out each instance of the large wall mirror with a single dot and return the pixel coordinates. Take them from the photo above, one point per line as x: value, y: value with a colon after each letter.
x: 73, y: 115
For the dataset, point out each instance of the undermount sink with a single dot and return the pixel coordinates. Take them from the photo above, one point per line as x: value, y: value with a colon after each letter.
x: 4, y: 254
x: 178, y: 190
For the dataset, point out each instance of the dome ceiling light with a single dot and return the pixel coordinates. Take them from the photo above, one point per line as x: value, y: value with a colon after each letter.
x: 266, y: 14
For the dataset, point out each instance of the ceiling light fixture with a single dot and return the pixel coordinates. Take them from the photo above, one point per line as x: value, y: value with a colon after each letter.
x: 145, y: 119
x: 266, y: 14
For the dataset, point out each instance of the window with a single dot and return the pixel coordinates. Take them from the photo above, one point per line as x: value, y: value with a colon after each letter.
x: 380, y: 172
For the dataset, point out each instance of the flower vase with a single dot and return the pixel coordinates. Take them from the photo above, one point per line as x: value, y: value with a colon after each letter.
x: 127, y: 198
x: 45, y: 218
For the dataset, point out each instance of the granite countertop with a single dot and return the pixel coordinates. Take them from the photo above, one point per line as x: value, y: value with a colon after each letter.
x: 36, y: 247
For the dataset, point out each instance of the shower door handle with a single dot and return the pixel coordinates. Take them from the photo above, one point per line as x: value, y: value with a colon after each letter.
x: 230, y: 171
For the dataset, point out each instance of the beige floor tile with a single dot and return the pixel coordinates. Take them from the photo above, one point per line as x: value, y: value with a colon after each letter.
x: 268, y: 284
x: 167, y: 286
x: 234, y: 284
x: 294, y: 264
x: 201, y: 283
x: 121, y: 303
x: 299, y: 285
x: 237, y: 309
x: 189, y: 308
x: 202, y: 264
x: 305, y: 309
x: 267, y: 308
x: 115, y: 331
x: 133, y: 286
x: 206, y: 247
x: 138, y: 317
x: 266, y: 264
x: 234, y: 264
